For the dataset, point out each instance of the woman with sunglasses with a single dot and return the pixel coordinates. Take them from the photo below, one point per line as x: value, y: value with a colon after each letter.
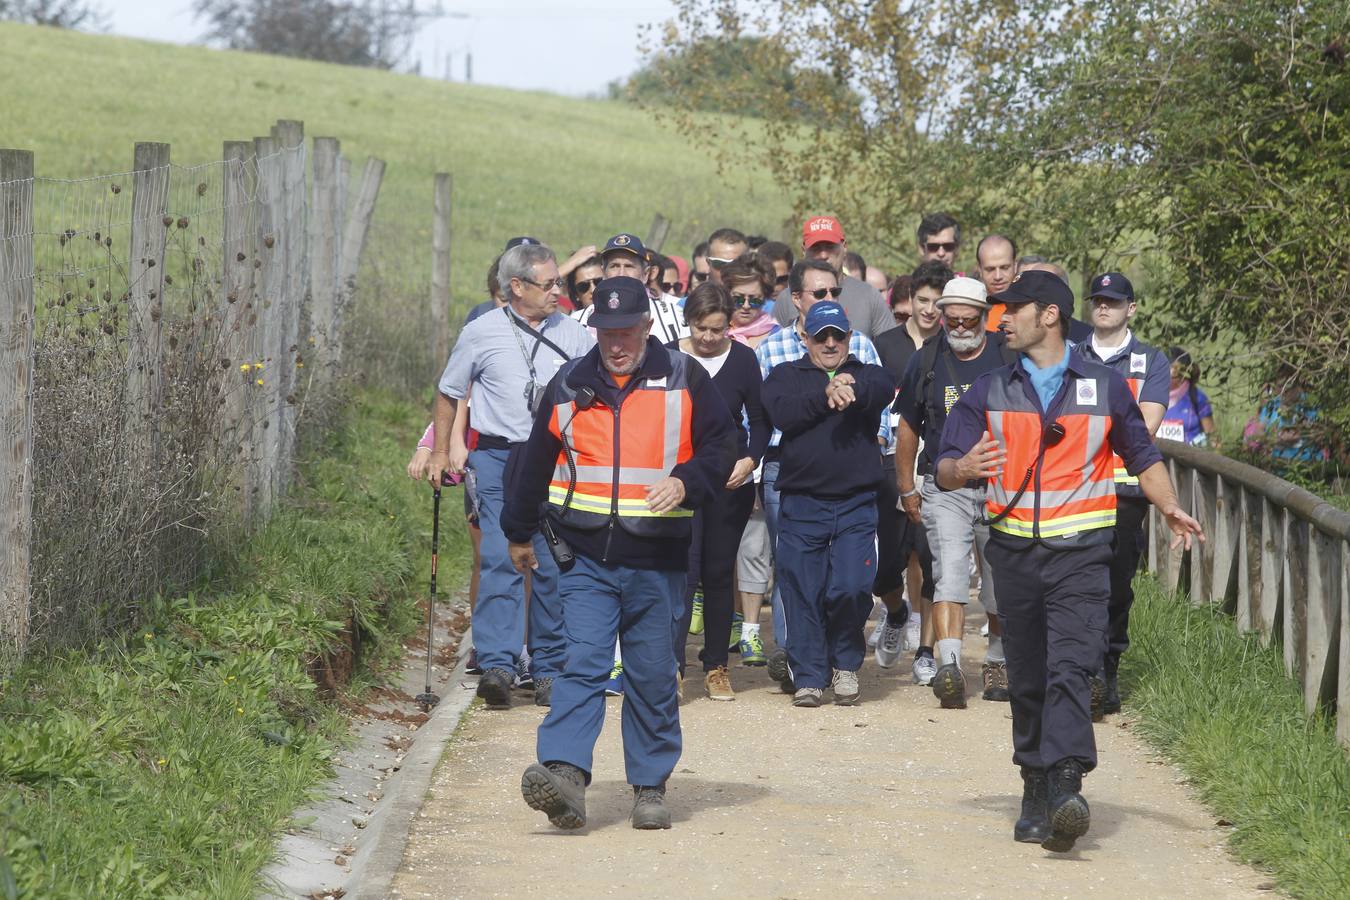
x: 582, y: 280
x: 719, y: 524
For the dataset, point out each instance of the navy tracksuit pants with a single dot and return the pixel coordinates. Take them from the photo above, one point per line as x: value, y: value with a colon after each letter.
x: 825, y: 564
x: 1052, y: 605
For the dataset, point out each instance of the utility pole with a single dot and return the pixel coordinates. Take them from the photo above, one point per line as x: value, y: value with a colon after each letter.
x: 468, y: 67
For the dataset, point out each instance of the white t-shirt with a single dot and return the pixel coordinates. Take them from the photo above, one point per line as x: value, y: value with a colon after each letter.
x: 712, y: 364
x: 1108, y: 352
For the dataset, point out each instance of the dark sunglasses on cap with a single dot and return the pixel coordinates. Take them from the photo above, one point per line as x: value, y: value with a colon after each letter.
x: 935, y: 246
x: 749, y: 300
x: 821, y: 293
x: 585, y: 287
x: 967, y: 323
x: 672, y: 287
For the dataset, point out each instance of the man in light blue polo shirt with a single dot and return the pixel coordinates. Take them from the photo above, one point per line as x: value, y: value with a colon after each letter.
x: 507, y: 357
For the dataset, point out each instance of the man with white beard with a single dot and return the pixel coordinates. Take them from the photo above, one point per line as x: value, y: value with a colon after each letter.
x: 935, y: 378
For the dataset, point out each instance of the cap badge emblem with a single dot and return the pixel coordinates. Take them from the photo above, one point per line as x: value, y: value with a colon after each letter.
x: 613, y: 299
x: 1106, y: 280
x: 621, y: 241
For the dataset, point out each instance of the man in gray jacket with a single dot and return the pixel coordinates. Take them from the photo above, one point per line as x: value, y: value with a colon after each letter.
x: 823, y: 238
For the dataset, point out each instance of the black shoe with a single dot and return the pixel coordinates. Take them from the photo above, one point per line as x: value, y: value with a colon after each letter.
x: 472, y: 667
x: 1034, y: 826
x: 495, y: 688
x: 1111, y: 704
x: 543, y: 691
x: 1068, y: 811
x: 649, y: 808
x: 949, y: 686
x: 1097, y: 686
x: 558, y: 790
x: 778, y: 670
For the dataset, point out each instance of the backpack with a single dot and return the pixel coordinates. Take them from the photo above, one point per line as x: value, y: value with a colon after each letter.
x: 928, y: 357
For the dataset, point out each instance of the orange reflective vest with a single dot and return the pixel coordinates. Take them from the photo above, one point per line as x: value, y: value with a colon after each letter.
x: 616, y: 454
x: 1072, y: 488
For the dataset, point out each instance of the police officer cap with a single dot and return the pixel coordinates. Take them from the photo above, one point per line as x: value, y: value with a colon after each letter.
x: 522, y: 240
x: 620, y: 302
x: 627, y: 243
x: 1112, y: 286
x: 1040, y: 287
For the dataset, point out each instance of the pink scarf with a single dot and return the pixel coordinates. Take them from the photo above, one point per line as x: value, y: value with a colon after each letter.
x: 765, y: 324
x: 1175, y: 394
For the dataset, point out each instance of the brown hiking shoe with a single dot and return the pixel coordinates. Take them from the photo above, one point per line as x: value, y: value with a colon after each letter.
x: 718, y: 684
x: 995, y: 677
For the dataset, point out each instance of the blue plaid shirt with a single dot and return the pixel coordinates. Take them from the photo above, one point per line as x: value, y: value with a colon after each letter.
x: 786, y: 345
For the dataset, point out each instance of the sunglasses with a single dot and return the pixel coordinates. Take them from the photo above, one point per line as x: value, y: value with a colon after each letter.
x: 698, y: 277
x: 821, y: 293
x: 747, y: 300
x: 717, y: 262
x: 585, y: 287
x: 781, y: 281
x: 935, y: 246
x: 965, y: 323
x: 827, y: 334
x: 672, y: 287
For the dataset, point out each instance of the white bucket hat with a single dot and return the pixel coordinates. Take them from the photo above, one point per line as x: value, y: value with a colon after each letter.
x: 964, y: 290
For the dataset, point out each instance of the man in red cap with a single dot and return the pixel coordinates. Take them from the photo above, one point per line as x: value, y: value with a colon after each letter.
x: 823, y: 239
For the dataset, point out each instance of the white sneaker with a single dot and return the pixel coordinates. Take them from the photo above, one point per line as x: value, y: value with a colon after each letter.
x: 881, y: 623
x: 925, y: 669
x: 845, y: 687
x: 912, y: 632
x: 891, y: 644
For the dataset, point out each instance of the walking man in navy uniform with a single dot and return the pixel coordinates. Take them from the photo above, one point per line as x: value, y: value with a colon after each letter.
x: 1043, y: 432
x: 630, y: 439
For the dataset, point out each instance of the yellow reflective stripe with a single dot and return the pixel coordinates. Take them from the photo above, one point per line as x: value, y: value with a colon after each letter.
x: 1059, y: 526
x: 1123, y: 476
x: 601, y: 504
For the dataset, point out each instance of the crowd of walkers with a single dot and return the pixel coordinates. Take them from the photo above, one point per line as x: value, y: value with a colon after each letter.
x: 655, y: 448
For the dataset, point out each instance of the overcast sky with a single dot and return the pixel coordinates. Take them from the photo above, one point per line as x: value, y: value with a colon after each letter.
x: 571, y: 48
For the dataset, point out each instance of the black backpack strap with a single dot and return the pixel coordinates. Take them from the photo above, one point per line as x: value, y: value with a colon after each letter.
x: 536, y: 335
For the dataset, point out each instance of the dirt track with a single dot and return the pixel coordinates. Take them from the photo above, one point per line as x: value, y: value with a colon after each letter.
x: 894, y: 796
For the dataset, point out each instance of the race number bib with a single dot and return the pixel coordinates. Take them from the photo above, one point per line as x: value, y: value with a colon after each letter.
x: 1172, y: 430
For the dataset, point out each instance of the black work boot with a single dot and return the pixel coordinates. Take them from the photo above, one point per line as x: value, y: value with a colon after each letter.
x: 649, y: 808
x: 1034, y: 826
x: 494, y: 686
x: 778, y: 670
x: 1097, y: 686
x: 558, y: 790
x: 1068, y: 811
x: 1112, y: 702
x: 543, y: 691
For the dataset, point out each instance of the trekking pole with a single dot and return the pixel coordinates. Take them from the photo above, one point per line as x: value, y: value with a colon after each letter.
x: 427, y: 699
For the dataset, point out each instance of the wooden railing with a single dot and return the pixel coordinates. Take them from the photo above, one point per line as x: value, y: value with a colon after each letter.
x: 1277, y: 558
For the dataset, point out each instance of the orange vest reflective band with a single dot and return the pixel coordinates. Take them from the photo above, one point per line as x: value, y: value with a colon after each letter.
x: 1119, y: 472
x: 1074, y: 490
x: 619, y: 454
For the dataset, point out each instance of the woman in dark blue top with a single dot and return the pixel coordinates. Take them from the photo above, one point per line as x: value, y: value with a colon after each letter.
x: 718, y: 525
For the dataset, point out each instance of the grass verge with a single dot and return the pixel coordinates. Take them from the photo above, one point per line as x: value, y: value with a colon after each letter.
x: 165, y: 762
x: 1219, y: 705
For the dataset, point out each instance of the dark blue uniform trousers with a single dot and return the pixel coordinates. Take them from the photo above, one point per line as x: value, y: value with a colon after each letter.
x: 1052, y: 605
x: 499, y: 617
x: 825, y: 563
x: 601, y: 602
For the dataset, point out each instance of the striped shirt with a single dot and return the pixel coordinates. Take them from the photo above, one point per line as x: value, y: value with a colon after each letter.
x: 667, y: 319
x: 787, y: 345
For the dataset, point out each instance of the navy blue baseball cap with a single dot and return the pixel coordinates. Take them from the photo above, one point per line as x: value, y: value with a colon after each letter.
x: 627, y: 243
x: 523, y: 239
x: 1038, y: 287
x: 619, y: 302
x: 826, y: 314
x: 1113, y: 286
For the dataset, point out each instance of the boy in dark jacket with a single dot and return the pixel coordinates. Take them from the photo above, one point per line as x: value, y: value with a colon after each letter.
x: 828, y: 406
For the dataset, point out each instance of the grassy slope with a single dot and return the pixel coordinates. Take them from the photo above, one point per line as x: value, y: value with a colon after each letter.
x: 568, y: 171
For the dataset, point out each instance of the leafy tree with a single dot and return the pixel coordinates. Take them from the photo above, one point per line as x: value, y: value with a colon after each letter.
x: 56, y: 13
x: 374, y: 33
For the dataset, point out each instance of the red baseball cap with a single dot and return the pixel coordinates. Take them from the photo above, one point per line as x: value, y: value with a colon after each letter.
x: 822, y: 228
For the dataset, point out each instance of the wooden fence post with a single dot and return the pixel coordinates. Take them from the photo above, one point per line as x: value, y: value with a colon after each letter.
x: 145, y: 275
x: 325, y: 243
x: 353, y: 244
x: 16, y: 391
x: 269, y: 280
x: 291, y: 145
x: 440, y: 271
x: 236, y: 302
x: 656, y: 235
x: 1343, y: 670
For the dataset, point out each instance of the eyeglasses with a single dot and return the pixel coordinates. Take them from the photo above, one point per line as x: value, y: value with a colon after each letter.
x: 747, y: 300
x: 821, y: 293
x: 546, y: 285
x: 585, y: 287
x: 827, y: 334
x: 946, y: 246
x: 672, y: 287
x: 717, y: 262
x: 963, y: 323
x: 697, y: 277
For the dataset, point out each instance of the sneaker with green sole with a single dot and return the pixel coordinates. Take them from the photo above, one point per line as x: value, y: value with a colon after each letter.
x: 752, y: 651
x: 736, y: 622
x: 696, y: 620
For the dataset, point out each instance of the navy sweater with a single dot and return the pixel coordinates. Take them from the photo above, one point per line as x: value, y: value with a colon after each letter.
x: 704, y: 475
x: 827, y: 453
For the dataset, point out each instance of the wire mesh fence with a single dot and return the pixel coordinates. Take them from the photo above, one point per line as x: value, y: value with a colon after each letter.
x: 158, y: 324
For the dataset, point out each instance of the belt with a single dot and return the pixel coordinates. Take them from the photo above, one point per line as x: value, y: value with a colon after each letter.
x: 493, y: 442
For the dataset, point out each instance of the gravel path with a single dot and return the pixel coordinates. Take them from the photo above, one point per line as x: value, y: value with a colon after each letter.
x: 894, y: 795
